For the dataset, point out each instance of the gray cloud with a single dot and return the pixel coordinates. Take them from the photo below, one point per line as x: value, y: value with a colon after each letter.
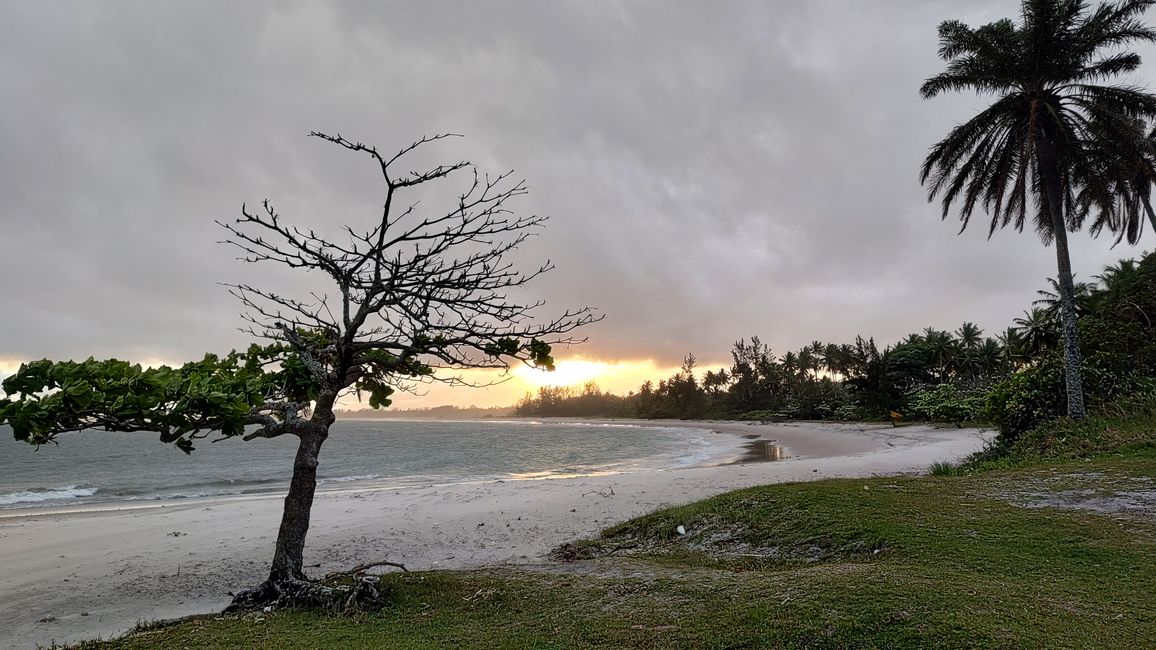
x: 713, y: 170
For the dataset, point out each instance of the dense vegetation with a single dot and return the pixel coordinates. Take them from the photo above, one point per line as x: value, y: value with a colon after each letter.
x: 1014, y: 379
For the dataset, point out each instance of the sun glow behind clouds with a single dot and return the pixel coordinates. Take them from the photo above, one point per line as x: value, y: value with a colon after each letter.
x: 567, y: 372
x: 620, y: 376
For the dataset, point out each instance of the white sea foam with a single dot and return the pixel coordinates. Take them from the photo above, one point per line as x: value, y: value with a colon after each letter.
x: 38, y: 495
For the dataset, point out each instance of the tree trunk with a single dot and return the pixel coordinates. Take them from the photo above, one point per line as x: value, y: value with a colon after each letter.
x: 287, y: 580
x: 1049, y: 171
x: 288, y: 560
x: 1151, y: 214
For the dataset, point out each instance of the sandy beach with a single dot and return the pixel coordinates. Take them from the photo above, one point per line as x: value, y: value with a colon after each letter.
x: 86, y: 572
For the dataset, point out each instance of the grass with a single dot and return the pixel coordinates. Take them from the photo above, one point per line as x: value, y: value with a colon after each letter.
x: 942, y: 469
x: 954, y: 560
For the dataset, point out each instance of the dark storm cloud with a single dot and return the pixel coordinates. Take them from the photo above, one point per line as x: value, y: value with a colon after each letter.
x: 713, y: 170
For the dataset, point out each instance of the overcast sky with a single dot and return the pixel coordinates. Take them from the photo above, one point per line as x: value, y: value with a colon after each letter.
x: 712, y: 170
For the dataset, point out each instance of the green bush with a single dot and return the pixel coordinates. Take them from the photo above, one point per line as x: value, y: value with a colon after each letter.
x: 759, y: 416
x: 1127, y: 423
x: 1036, y: 394
x: 1027, y: 398
x: 946, y: 403
x: 847, y: 412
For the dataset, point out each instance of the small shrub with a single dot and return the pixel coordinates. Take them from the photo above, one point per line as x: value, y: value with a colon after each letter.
x: 847, y: 412
x: 759, y: 416
x: 946, y: 403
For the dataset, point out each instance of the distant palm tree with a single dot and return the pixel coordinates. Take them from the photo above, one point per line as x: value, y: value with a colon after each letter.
x: 1015, y: 352
x: 1050, y: 300
x: 833, y: 360
x: 1036, y: 331
x: 944, y: 350
x: 989, y: 356
x: 1043, y: 138
x: 969, y: 335
x: 1120, y: 273
x: 790, y: 363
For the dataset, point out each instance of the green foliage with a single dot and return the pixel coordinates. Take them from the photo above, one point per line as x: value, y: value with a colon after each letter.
x: 1119, y: 342
x: 1124, y: 424
x: 760, y: 416
x: 947, y: 403
x: 941, y: 468
x: 1028, y: 397
x: 46, y: 398
x: 847, y: 412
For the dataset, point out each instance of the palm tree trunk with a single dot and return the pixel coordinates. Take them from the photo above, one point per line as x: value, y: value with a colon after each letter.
x: 1049, y: 171
x: 1151, y: 214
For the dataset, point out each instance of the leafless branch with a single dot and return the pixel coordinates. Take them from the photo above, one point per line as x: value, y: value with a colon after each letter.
x: 426, y: 289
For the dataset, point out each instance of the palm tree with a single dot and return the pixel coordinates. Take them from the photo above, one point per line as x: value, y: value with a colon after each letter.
x: 1015, y: 350
x: 969, y: 335
x: 1128, y: 190
x: 1041, y: 141
x: 989, y: 356
x: 1083, y: 292
x: 1036, y: 331
x: 944, y: 350
x: 1118, y: 274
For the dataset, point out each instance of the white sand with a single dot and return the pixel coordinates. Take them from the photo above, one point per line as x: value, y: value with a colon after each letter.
x: 72, y: 575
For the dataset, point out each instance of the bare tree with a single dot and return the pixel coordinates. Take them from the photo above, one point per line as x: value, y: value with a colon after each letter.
x: 414, y: 293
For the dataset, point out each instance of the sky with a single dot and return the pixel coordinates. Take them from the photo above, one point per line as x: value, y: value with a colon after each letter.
x: 712, y: 170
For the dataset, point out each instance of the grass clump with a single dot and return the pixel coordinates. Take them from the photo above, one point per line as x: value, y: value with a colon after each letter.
x: 942, y: 468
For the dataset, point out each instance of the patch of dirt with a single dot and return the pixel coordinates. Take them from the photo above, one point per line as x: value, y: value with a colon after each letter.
x: 1097, y: 492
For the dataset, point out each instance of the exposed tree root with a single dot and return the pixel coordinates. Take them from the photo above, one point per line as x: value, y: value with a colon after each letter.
x: 364, y: 593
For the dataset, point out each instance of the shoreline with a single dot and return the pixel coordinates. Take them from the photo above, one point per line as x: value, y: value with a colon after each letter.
x: 81, y: 575
x: 100, y: 500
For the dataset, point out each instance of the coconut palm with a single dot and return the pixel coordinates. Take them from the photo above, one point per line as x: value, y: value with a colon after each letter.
x: 943, y: 350
x: 1127, y: 190
x: 1043, y: 139
x: 1118, y: 274
x: 1036, y: 331
x: 1083, y: 292
x: 969, y: 335
x: 989, y: 356
x: 1015, y: 350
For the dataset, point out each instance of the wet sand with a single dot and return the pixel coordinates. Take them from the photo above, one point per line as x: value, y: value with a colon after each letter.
x: 86, y: 572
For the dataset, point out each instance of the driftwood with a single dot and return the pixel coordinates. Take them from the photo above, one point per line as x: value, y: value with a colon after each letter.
x: 362, y: 568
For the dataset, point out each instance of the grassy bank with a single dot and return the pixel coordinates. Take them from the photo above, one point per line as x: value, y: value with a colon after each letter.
x: 1052, y: 546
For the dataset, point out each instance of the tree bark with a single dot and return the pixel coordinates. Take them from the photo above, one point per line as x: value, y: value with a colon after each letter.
x: 287, y: 581
x: 1073, y: 380
x: 288, y: 554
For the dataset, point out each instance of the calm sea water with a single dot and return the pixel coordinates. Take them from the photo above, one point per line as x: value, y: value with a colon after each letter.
x: 97, y: 466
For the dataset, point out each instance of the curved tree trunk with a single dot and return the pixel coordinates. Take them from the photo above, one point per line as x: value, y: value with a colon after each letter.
x: 287, y: 578
x: 288, y: 554
x: 1049, y: 171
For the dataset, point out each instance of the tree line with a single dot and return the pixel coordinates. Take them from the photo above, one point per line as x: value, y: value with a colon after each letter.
x: 932, y: 374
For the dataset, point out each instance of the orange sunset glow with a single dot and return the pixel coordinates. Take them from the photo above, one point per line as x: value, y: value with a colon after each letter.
x: 615, y: 376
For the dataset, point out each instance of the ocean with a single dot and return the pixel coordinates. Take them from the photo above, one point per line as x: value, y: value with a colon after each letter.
x: 100, y: 467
